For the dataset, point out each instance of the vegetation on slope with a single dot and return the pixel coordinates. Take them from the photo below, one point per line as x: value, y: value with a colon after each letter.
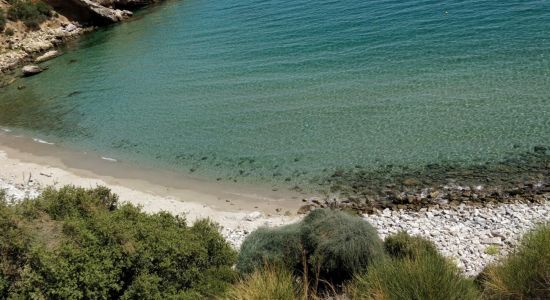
x: 31, y: 13
x: 76, y: 243
x: 2, y: 19
x: 82, y: 244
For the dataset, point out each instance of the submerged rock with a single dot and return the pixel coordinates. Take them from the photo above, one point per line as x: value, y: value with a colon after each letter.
x: 30, y: 70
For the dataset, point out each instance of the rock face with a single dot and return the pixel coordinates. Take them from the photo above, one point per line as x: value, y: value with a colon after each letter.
x: 30, y: 70
x: 125, y: 4
x: 88, y: 11
x: 47, y: 56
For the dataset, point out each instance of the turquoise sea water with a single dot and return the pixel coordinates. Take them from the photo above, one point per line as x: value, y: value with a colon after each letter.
x: 290, y: 90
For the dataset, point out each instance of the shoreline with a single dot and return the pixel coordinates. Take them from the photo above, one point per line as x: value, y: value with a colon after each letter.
x: 27, y: 167
x: 463, y: 233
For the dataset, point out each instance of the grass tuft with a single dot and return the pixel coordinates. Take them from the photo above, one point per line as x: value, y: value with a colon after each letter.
x: 413, y: 272
x: 525, y: 273
x: 268, y: 283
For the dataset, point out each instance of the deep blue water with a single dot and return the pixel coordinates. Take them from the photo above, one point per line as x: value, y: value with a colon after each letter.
x: 270, y: 90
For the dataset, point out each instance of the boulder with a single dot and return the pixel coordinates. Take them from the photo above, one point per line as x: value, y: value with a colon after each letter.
x: 30, y: 70
x: 253, y: 216
x: 304, y: 209
x: 47, y: 56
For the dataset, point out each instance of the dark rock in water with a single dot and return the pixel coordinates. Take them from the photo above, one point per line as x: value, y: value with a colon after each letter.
x: 21, y: 87
x: 411, y: 182
x: 30, y: 70
x: 540, y: 148
x: 74, y: 93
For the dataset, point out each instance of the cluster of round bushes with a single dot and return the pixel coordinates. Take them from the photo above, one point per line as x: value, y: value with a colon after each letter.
x: 332, y: 253
x: 327, y: 246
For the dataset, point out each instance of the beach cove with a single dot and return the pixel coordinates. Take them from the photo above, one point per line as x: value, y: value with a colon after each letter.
x: 431, y: 119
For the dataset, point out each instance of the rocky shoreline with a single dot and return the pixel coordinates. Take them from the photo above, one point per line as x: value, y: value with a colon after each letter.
x: 522, y: 178
x: 22, y: 49
x: 71, y: 19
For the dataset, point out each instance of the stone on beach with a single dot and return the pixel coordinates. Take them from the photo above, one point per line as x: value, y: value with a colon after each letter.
x: 47, y: 56
x: 253, y: 216
x: 30, y: 70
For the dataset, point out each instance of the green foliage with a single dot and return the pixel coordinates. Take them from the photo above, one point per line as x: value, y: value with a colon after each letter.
x: 9, y: 32
x: 327, y: 245
x: 339, y: 245
x: 276, y: 246
x: 402, y: 245
x: 267, y: 283
x: 492, y: 250
x: 414, y: 272
x: 82, y: 244
x: 524, y: 274
x: 32, y: 13
x: 2, y: 19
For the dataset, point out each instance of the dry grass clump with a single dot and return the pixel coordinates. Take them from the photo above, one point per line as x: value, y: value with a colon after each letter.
x: 414, y: 271
x: 268, y: 283
x: 525, y: 273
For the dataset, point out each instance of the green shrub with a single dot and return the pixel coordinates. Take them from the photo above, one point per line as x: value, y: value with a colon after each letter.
x: 402, y: 245
x: 339, y: 245
x: 267, y: 283
x: 327, y: 246
x: 2, y: 19
x: 75, y: 243
x: 412, y: 274
x: 9, y: 32
x: 32, y: 13
x: 524, y: 274
x: 275, y: 246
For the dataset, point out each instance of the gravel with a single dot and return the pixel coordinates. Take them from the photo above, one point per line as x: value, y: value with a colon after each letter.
x: 464, y: 233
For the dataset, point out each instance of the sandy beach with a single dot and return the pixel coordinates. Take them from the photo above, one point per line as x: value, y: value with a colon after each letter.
x: 27, y: 166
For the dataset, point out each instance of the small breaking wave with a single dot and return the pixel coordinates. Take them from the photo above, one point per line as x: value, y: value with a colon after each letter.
x: 42, y: 141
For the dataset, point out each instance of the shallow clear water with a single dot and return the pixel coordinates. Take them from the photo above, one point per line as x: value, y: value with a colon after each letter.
x: 279, y: 90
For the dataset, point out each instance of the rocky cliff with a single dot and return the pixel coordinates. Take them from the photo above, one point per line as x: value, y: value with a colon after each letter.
x: 20, y: 44
x: 96, y: 12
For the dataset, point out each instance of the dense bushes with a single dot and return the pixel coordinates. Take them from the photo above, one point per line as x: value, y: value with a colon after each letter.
x: 32, y: 13
x: 415, y: 271
x: 76, y: 243
x: 524, y: 274
x: 326, y: 246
